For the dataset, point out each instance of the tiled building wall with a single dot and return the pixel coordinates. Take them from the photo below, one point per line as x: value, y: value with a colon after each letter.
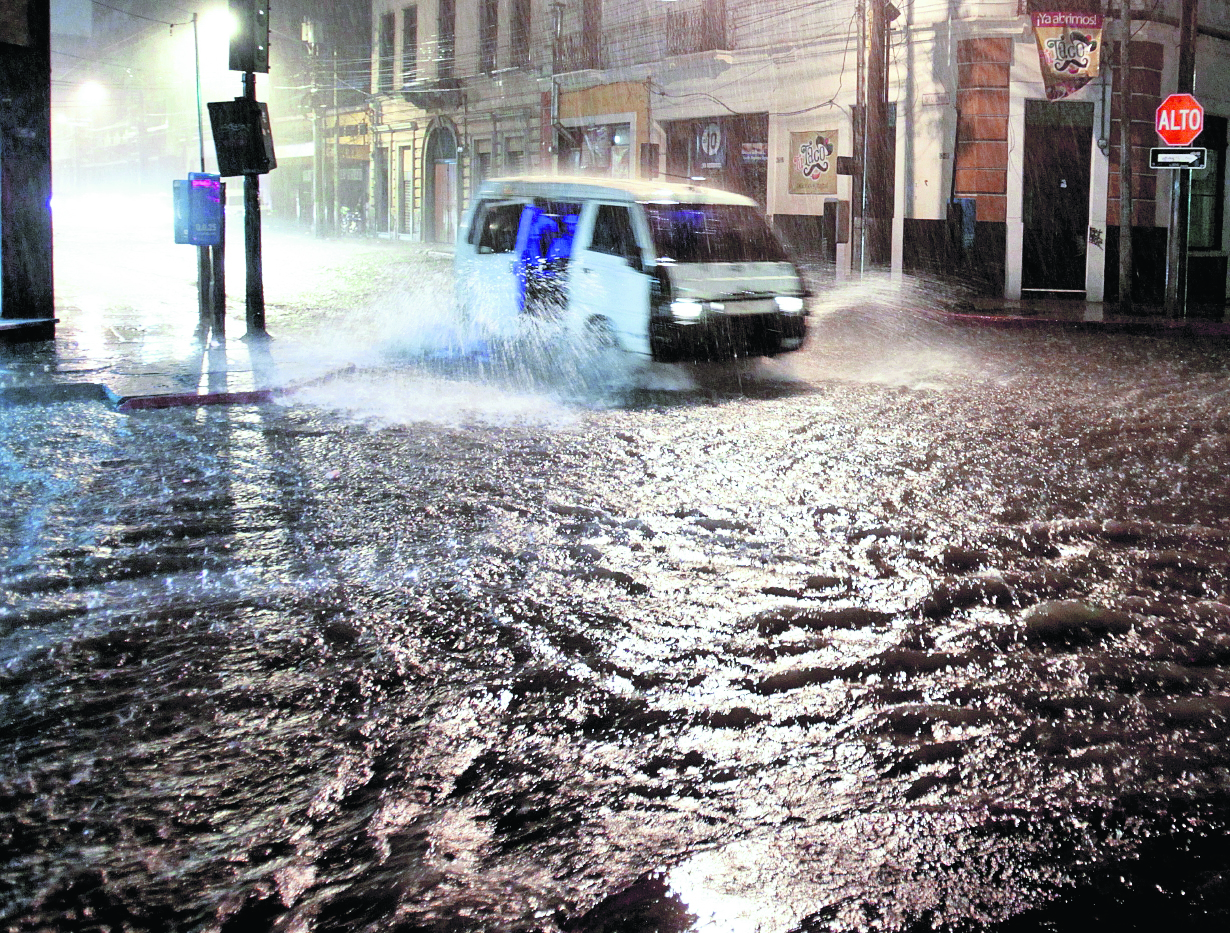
x: 981, y: 158
x: 1145, y: 93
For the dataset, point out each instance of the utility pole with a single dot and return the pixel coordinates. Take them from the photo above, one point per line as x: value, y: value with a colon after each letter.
x: 308, y: 33
x: 1181, y: 182
x: 337, y: 156
x: 1125, y: 157
x: 204, y: 266
x: 878, y: 168
x: 859, y: 179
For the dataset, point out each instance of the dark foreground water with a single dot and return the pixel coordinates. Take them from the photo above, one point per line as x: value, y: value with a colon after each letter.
x: 924, y: 628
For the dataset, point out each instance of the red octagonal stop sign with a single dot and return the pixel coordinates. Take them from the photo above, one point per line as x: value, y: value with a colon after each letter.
x: 1180, y: 119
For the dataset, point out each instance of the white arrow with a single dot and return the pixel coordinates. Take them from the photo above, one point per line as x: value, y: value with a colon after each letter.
x: 1179, y: 158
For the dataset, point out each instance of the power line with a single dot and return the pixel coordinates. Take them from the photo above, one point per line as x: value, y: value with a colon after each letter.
x: 149, y: 19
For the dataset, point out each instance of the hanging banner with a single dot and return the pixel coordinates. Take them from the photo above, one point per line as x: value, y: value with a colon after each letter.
x: 813, y: 162
x: 1069, y: 50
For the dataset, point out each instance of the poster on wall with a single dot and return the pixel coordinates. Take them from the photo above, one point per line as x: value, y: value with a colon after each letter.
x: 710, y: 145
x: 1069, y: 50
x: 813, y: 162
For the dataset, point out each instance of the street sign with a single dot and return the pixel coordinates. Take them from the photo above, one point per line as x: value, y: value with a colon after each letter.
x: 197, y: 203
x: 1180, y: 118
x: 1178, y: 157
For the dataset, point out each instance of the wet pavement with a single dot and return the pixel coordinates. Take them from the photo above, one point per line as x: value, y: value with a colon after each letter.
x: 925, y: 627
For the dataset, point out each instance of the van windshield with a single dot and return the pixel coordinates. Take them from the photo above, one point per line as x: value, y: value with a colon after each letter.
x: 712, y: 233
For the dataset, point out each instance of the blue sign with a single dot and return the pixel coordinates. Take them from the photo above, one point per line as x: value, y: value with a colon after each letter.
x: 198, y: 209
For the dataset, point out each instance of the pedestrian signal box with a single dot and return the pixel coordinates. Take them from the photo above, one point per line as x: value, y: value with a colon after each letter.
x: 198, y: 209
x: 243, y: 140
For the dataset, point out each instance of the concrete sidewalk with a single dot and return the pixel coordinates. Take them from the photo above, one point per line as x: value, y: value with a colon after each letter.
x: 131, y: 368
x: 1088, y: 316
x: 126, y: 331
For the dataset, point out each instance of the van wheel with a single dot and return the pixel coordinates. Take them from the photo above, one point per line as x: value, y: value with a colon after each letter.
x: 600, y: 334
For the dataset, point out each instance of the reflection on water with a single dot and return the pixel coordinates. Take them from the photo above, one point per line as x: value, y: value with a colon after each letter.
x: 921, y: 628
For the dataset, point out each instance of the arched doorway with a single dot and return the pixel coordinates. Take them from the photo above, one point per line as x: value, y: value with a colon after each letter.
x: 440, y: 184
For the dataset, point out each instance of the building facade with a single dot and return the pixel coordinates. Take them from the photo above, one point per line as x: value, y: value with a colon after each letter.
x: 26, y: 296
x: 972, y: 167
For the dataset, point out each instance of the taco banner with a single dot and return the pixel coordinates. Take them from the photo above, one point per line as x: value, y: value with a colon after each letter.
x: 813, y: 162
x: 1069, y: 50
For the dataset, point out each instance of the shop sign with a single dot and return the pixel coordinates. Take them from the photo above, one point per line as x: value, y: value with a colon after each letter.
x: 755, y: 152
x: 710, y: 145
x: 1069, y: 50
x: 813, y: 162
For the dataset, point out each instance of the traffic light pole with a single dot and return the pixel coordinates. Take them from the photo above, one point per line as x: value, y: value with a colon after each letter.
x: 255, y: 291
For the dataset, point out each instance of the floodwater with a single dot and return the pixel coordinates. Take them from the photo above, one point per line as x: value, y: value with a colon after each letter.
x: 924, y: 627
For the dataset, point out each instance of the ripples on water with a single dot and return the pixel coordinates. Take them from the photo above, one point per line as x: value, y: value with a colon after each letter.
x: 923, y: 627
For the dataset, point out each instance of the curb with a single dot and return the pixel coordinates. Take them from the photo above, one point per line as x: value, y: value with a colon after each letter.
x: 186, y: 399
x: 52, y: 393
x: 48, y: 394
x: 1169, y: 328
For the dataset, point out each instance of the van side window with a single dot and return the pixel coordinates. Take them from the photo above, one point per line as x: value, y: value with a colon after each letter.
x: 613, y: 232
x: 496, y: 230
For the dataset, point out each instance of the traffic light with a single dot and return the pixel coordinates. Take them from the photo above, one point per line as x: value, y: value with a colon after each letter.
x: 250, y: 41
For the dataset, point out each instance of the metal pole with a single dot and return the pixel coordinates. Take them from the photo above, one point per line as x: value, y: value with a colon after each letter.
x: 318, y: 185
x: 255, y: 291
x: 1180, y: 190
x: 337, y: 156
x: 859, y: 193
x: 218, y: 292
x: 200, y: 124
x: 877, y: 168
x: 204, y: 269
x: 1125, y: 158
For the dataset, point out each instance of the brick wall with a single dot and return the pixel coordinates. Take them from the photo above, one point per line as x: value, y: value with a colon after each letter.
x: 1145, y: 86
x: 980, y: 162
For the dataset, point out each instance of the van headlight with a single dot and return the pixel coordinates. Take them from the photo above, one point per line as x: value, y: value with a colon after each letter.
x: 687, y: 310
x: 789, y: 304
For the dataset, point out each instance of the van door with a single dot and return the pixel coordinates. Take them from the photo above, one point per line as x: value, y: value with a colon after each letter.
x: 488, y: 285
x: 609, y: 287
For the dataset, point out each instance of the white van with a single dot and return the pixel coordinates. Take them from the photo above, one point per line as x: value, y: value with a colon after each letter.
x: 674, y: 272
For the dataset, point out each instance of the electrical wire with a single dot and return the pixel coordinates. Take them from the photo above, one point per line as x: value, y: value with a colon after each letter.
x: 149, y: 19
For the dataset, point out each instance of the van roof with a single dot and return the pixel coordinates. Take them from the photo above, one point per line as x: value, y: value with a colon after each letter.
x: 617, y: 189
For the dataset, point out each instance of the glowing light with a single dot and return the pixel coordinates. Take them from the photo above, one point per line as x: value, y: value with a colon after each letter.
x: 217, y: 24
x: 92, y: 93
x: 685, y: 309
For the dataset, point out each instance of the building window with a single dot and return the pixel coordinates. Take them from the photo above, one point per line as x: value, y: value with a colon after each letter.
x: 409, y: 45
x: 1208, y: 186
x: 698, y: 29
x: 600, y: 150
x: 388, y: 27
x: 488, y: 34
x: 481, y: 165
x: 446, y: 23
x: 514, y: 154
x: 519, y: 33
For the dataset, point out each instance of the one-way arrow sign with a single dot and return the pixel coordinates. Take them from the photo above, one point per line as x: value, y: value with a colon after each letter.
x: 1175, y: 157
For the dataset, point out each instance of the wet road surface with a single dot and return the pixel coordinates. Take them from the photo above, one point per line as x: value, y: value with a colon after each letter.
x: 922, y: 628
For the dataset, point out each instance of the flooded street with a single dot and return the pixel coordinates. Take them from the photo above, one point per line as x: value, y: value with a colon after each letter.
x: 924, y: 627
